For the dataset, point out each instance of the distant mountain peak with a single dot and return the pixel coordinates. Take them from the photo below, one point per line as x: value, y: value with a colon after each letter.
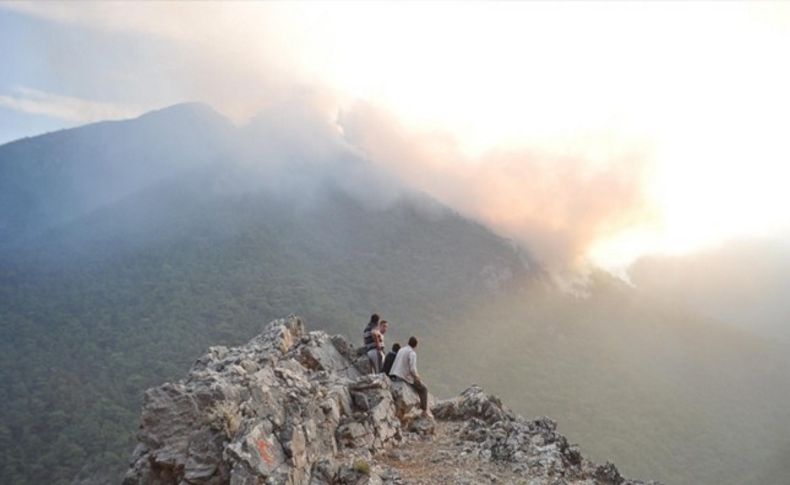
x: 190, y: 109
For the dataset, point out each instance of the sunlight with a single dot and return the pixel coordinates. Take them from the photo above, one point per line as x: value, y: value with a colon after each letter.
x: 702, y: 92
x: 712, y: 107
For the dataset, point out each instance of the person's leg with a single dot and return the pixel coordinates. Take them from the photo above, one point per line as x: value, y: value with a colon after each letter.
x: 422, y: 391
x: 371, y: 363
x: 375, y: 365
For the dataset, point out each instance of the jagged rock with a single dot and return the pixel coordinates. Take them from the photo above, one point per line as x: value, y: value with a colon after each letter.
x: 361, y: 364
x: 292, y: 406
x: 472, y: 403
x: 320, y: 353
x: 406, y: 399
x: 608, y: 473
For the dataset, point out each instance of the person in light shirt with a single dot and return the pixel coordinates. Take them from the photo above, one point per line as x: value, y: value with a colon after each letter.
x: 383, y: 326
x: 405, y: 368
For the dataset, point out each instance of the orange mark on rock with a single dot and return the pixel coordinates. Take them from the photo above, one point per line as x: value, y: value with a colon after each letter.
x: 263, y: 450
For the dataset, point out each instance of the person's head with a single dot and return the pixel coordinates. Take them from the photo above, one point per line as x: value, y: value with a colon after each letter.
x: 395, y: 347
x: 383, y: 326
x: 374, y: 319
x: 413, y: 342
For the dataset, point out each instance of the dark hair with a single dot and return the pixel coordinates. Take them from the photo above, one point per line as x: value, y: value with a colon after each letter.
x: 374, y: 319
x: 395, y: 347
x: 412, y: 342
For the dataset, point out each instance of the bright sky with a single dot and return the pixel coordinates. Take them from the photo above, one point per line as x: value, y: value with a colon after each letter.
x: 700, y: 88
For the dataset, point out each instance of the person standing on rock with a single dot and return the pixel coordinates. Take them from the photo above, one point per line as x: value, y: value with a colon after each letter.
x: 383, y: 326
x: 371, y: 338
x: 405, y: 368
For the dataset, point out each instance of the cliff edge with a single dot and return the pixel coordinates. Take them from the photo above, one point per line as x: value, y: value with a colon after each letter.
x: 293, y: 407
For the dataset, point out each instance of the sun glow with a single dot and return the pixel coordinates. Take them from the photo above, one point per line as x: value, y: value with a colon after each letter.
x: 698, y: 89
x: 705, y: 90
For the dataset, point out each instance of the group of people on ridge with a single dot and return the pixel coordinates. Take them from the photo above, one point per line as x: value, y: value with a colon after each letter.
x: 399, y: 364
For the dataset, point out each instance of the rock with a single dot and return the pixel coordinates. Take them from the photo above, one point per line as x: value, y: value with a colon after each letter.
x: 319, y: 353
x: 354, y: 435
x: 344, y: 347
x: 258, y: 450
x: 422, y: 426
x: 406, y: 399
x: 292, y: 406
x: 362, y: 364
x: 372, y: 396
x: 608, y: 474
x: 472, y: 403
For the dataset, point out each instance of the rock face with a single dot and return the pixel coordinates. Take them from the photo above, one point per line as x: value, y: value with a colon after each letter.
x: 291, y: 406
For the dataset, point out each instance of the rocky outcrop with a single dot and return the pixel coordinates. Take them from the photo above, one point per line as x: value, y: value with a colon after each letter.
x: 291, y: 406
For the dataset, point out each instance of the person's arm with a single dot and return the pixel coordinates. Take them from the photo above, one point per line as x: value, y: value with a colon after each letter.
x: 378, y: 339
x: 413, y: 365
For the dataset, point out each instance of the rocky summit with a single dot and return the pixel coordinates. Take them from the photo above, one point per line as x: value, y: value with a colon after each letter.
x: 296, y: 407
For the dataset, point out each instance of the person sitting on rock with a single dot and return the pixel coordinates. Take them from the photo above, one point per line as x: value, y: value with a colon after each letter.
x: 405, y: 368
x: 371, y: 338
x: 390, y: 358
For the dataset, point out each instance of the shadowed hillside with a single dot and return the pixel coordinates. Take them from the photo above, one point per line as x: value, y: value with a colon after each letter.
x: 52, y: 179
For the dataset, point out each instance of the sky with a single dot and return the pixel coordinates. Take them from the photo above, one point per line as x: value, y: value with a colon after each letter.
x: 589, y: 131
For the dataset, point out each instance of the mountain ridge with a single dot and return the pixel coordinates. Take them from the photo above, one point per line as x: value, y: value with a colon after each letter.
x: 52, y: 178
x: 297, y: 407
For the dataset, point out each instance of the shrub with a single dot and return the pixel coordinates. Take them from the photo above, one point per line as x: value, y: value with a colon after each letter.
x: 225, y: 417
x: 361, y: 466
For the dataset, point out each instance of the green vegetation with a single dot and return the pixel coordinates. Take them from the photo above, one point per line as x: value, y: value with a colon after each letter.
x: 122, y: 294
x: 361, y: 466
x: 104, y: 310
x: 661, y: 392
x: 127, y: 248
x: 86, y: 329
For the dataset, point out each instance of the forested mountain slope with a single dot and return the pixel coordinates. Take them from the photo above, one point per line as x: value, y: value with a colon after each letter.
x: 101, y: 304
x: 51, y: 179
x: 130, y: 247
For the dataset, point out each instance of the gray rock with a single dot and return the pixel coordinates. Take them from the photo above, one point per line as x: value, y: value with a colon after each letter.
x: 422, y: 426
x: 473, y: 403
x: 294, y: 407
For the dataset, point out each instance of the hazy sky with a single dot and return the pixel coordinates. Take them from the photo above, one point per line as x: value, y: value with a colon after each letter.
x: 603, y: 130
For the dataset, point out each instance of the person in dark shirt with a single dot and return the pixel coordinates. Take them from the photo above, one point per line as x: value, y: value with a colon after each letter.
x: 371, y: 341
x: 390, y: 358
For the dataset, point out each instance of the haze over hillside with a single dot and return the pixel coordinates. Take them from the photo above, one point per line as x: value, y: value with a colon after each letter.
x: 476, y: 172
x: 743, y: 283
x: 211, y: 230
x: 110, y: 297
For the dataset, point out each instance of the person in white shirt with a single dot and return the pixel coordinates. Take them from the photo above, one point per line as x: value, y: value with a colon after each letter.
x: 405, y: 368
